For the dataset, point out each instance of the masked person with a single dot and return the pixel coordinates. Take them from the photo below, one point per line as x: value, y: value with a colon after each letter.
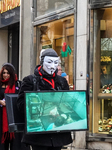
x: 47, y: 79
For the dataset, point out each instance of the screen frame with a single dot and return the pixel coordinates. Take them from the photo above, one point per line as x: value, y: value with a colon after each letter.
x: 12, y: 125
x: 54, y: 131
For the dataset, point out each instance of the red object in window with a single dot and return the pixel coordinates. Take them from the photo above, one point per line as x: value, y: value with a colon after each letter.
x: 64, y: 47
x: 73, y: 87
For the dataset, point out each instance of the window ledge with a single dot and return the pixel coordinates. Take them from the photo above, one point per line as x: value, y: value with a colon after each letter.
x: 99, y: 137
x: 105, y: 96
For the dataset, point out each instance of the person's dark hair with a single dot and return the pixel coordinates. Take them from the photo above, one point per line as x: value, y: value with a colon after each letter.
x: 59, y: 121
x: 11, y: 71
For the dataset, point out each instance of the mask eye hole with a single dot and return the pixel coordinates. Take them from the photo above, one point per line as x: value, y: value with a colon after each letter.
x: 49, y: 62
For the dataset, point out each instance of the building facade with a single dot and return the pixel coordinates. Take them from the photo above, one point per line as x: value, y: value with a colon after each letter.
x: 9, y: 32
x: 63, y: 26
x: 80, y: 32
x: 100, y: 114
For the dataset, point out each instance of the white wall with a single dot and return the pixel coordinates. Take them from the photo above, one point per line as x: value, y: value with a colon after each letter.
x: 26, y: 38
x: 3, y: 46
x: 81, y: 61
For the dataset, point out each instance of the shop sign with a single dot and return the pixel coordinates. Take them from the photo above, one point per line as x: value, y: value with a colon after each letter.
x: 6, y: 5
x: 65, y: 50
x: 10, y: 17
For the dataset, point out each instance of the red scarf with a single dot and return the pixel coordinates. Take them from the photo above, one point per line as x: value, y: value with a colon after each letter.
x: 52, y: 81
x: 5, y: 133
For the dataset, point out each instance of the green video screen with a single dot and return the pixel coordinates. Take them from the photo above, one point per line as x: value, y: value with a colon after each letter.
x: 55, y: 111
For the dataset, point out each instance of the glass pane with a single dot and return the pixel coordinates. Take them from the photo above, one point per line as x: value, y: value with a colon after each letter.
x: 106, y: 50
x: 48, y: 6
x: 105, y: 121
x: 102, y: 70
x: 59, y: 35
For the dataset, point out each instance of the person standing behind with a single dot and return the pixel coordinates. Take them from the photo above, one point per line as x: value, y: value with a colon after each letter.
x: 59, y: 70
x: 47, y: 80
x: 8, y: 84
x: 65, y: 76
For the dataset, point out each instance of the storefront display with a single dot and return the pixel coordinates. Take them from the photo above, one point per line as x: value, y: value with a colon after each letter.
x: 101, y: 38
x: 105, y: 121
x: 59, y: 35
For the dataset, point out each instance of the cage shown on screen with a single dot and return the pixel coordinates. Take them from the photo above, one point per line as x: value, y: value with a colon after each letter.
x: 57, y: 111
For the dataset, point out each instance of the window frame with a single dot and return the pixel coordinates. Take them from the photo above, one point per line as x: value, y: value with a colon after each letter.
x: 55, y: 15
x: 96, y: 96
x: 94, y: 4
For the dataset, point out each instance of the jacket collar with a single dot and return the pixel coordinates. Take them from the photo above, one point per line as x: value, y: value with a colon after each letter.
x: 44, y: 74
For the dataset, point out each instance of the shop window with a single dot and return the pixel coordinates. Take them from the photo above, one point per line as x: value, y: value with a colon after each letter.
x: 49, y: 6
x: 101, y: 70
x: 59, y: 35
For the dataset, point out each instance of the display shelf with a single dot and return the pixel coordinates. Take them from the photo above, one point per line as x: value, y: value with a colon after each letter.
x: 103, y: 132
x: 105, y: 96
x: 105, y: 121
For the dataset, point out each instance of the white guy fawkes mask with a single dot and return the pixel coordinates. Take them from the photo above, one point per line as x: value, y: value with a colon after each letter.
x: 50, y: 64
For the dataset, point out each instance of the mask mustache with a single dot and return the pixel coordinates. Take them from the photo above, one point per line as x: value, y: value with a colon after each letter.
x: 52, y: 70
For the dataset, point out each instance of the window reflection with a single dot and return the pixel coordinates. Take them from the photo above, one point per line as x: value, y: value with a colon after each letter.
x: 48, y: 6
x: 106, y: 49
x: 59, y: 35
x: 101, y: 101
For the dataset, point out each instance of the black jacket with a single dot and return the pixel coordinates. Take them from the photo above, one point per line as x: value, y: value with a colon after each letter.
x: 17, y: 87
x: 55, y: 139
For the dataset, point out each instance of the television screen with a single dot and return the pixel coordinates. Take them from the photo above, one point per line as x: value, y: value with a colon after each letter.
x: 57, y: 111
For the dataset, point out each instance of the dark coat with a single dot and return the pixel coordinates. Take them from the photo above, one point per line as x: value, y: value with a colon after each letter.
x: 1, y: 97
x: 18, y: 136
x: 55, y: 139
